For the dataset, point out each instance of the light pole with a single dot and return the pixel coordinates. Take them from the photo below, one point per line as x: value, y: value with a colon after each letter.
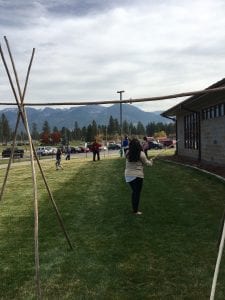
x: 121, y: 121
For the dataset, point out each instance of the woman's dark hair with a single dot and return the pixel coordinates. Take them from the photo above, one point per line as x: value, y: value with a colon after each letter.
x: 134, y: 150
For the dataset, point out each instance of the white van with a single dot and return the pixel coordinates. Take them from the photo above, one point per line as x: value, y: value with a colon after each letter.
x: 42, y: 151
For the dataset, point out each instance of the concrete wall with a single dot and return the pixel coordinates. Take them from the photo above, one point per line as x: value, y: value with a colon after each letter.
x: 213, y: 140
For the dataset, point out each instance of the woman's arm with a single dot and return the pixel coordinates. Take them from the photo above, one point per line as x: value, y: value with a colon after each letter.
x: 144, y: 159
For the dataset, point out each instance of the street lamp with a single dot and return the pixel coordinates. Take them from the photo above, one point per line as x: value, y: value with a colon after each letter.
x: 121, y: 118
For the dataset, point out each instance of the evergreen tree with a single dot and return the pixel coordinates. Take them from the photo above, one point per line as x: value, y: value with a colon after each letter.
x: 76, y: 132
x: 34, y: 132
x: 170, y: 128
x: 84, y: 134
x: 153, y: 128
x: 125, y: 128
x: 150, y: 129
x: 94, y: 129
x: 111, y: 126
x: 5, y: 129
x: 116, y: 126
x: 132, y: 129
x: 66, y: 136
x: 140, y: 129
x: 89, y: 133
x: 46, y: 128
x: 55, y: 129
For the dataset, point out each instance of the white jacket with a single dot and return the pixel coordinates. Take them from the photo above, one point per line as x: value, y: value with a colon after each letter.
x: 136, y: 168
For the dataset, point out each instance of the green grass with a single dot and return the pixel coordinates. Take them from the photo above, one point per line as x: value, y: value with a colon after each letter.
x: 167, y: 253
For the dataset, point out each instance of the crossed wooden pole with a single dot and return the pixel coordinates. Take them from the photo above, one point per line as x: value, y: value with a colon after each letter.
x: 33, y: 156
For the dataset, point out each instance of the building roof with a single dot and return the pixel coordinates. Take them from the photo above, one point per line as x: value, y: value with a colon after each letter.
x: 191, y: 100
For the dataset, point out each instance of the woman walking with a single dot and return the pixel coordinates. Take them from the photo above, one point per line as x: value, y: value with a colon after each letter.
x: 134, y: 172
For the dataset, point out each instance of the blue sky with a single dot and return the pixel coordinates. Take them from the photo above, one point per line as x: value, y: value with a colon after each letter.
x: 87, y: 50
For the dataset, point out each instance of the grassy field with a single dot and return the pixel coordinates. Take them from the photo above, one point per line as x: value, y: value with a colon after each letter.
x: 167, y: 253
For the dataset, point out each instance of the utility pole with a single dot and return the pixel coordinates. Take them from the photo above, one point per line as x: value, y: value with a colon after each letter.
x: 121, y: 121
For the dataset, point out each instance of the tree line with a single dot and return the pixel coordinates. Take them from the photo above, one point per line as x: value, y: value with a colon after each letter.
x: 111, y: 131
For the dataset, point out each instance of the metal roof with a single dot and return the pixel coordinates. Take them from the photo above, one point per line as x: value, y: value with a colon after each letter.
x: 171, y: 112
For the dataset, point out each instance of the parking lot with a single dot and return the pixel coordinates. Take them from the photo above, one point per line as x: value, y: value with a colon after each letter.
x: 88, y: 155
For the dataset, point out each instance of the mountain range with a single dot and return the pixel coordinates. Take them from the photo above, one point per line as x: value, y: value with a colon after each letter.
x: 83, y: 115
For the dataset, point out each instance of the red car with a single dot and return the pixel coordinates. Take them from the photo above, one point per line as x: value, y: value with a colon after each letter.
x: 84, y: 149
x: 167, y: 143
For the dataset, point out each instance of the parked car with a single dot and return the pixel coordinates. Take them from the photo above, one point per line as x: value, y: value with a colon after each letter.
x: 113, y: 146
x: 19, y: 153
x: 72, y: 150
x: 78, y: 149
x: 51, y: 150
x: 89, y: 146
x: 167, y: 143
x: 84, y: 149
x: 103, y: 148
x: 46, y: 150
x: 155, y: 145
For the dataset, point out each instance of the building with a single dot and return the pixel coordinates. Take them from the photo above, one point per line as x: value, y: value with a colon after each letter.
x: 200, y: 126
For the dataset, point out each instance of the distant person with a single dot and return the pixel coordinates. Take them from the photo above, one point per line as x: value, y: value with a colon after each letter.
x: 125, y: 144
x: 145, y: 146
x: 58, y: 159
x: 96, y: 151
x: 68, y: 152
x: 134, y: 173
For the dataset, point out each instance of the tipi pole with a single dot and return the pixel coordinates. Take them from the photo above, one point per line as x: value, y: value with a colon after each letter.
x: 53, y: 202
x: 17, y: 123
x: 34, y: 152
x: 10, y: 159
x: 24, y: 118
x: 218, y: 261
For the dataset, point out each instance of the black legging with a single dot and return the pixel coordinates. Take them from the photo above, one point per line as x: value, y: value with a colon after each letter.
x: 136, y: 186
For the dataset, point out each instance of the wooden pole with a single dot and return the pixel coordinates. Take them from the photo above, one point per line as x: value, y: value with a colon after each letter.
x: 34, y: 152
x: 32, y: 149
x: 17, y: 122
x: 53, y: 202
x: 24, y: 118
x: 129, y: 101
x: 217, y: 267
x: 10, y: 159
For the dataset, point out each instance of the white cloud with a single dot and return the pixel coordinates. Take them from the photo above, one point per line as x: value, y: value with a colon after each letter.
x: 148, y: 49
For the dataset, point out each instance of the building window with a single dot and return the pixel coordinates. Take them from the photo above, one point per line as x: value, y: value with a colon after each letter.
x: 212, y: 112
x: 222, y: 110
x: 191, y: 131
x: 216, y: 111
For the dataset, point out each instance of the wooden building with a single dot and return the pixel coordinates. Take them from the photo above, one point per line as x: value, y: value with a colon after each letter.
x: 200, y: 126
